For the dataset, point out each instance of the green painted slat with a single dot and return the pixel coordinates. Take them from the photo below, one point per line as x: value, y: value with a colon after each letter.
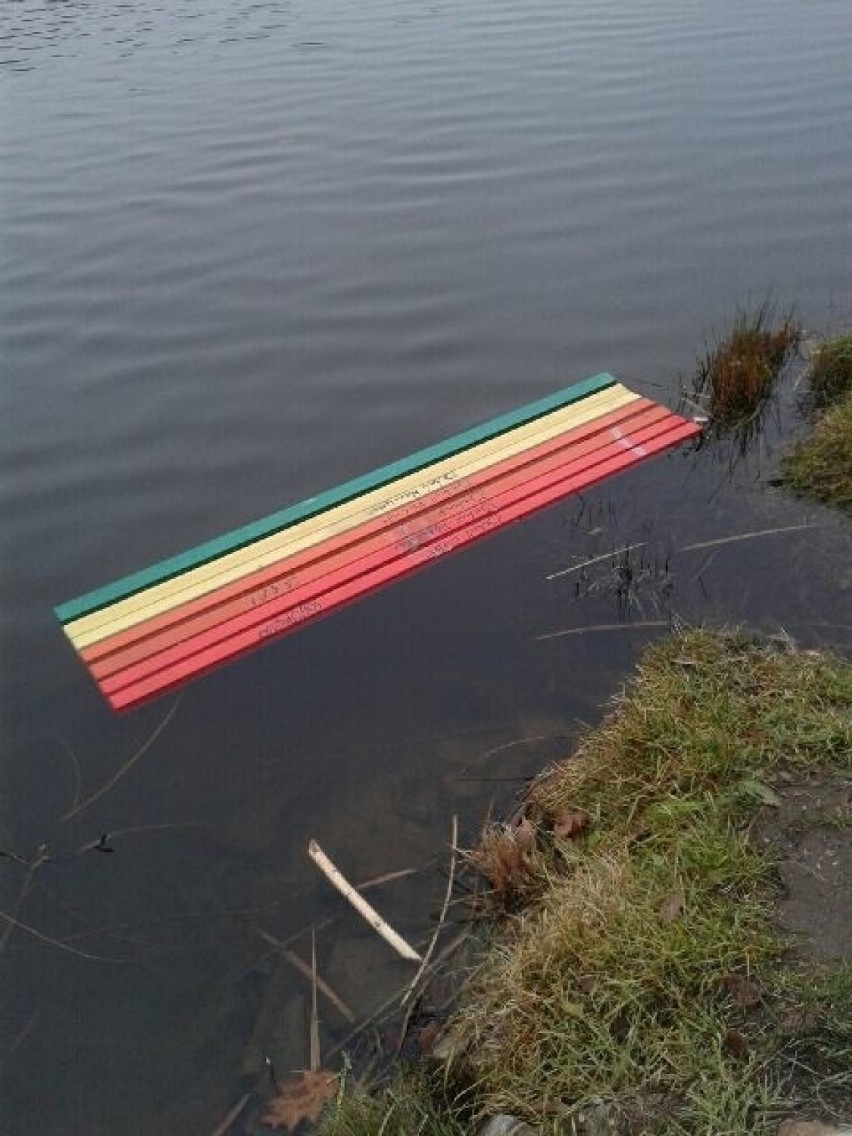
x: 238, y: 538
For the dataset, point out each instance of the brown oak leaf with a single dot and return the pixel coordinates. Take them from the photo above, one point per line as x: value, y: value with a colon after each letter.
x: 428, y: 1034
x: 736, y: 1043
x: 571, y: 823
x: 743, y: 992
x: 303, y: 1097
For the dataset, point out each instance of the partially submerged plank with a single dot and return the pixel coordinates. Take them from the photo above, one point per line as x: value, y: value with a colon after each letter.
x: 283, y: 578
x: 131, y: 687
x: 148, y: 641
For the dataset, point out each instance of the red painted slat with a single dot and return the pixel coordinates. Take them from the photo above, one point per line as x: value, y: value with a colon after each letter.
x: 522, y: 503
x: 154, y: 635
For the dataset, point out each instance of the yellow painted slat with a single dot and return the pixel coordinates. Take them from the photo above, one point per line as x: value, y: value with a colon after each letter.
x: 210, y: 576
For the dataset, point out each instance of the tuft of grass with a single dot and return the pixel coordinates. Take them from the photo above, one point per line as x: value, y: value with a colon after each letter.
x: 830, y: 373
x: 613, y: 992
x: 820, y: 466
x: 736, y: 378
x: 402, y: 1109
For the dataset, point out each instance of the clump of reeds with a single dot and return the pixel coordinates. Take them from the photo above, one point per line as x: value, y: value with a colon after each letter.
x: 735, y: 379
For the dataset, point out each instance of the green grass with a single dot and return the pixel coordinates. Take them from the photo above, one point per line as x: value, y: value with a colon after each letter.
x: 830, y: 373
x: 401, y: 1110
x: 820, y: 466
x: 735, y: 379
x: 618, y: 988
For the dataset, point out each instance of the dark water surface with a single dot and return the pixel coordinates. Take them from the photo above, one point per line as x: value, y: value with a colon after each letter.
x: 252, y: 249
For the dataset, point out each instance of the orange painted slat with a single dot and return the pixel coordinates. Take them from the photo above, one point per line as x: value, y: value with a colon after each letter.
x: 147, y: 638
x: 214, y: 646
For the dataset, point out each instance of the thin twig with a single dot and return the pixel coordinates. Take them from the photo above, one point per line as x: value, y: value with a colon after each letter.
x: 222, y: 1129
x: 604, y: 627
x: 306, y: 971
x: 594, y: 560
x: 315, y: 1058
x: 406, y: 1022
x: 702, y: 410
x: 53, y: 942
x: 33, y: 866
x: 748, y: 536
x: 78, y: 776
x: 23, y: 1034
x: 388, y: 877
x: 451, y: 877
x: 364, y: 909
x: 520, y: 742
x: 128, y: 765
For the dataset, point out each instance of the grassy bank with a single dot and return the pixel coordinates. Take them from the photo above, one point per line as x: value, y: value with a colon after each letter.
x: 821, y: 465
x: 640, y: 982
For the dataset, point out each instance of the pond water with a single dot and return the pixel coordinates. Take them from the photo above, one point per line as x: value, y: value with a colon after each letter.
x: 253, y: 249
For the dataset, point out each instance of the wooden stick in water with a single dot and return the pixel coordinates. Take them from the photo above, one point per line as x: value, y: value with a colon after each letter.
x: 315, y: 1041
x: 454, y: 839
x: 360, y: 904
x: 311, y: 976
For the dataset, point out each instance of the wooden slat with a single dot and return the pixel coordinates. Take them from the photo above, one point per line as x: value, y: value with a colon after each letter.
x: 131, y: 689
x: 249, y: 593
x: 248, y: 534
x: 231, y: 566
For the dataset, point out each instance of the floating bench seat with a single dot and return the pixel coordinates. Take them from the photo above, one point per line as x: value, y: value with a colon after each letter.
x: 157, y: 629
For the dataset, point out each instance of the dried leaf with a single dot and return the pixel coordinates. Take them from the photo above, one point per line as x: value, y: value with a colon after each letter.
x: 571, y: 823
x: 524, y: 835
x: 736, y: 1043
x: 743, y: 992
x: 504, y: 856
x: 427, y: 1035
x: 301, y: 1098
x: 672, y: 906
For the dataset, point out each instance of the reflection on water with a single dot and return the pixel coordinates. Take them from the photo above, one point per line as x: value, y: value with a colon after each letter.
x: 251, y: 250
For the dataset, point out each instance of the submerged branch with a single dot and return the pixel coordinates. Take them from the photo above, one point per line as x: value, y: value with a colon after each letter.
x: 128, y: 765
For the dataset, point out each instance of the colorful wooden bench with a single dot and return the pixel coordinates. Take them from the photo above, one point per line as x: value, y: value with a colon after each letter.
x: 157, y: 629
